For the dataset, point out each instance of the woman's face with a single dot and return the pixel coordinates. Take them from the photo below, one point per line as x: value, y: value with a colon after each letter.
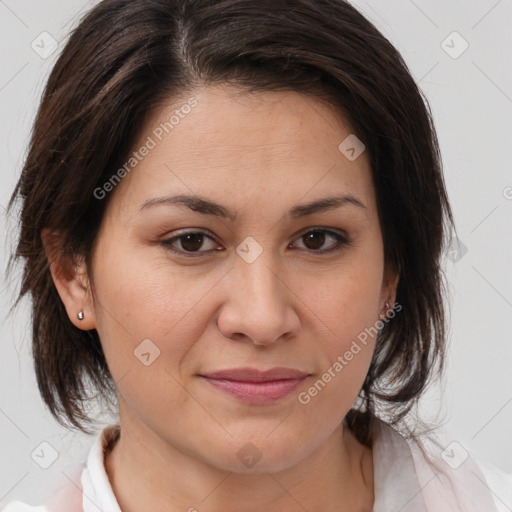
x: 242, y: 273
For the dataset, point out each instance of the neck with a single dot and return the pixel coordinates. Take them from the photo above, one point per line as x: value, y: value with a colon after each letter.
x: 147, y: 473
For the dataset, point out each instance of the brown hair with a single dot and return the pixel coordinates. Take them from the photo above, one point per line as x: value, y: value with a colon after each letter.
x: 125, y: 58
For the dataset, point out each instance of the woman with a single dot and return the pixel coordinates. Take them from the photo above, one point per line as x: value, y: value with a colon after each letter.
x: 232, y: 216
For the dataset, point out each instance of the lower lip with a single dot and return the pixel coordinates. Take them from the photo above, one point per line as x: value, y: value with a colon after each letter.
x: 256, y: 392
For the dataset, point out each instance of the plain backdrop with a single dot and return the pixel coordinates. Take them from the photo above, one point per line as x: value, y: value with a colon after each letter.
x: 460, y: 53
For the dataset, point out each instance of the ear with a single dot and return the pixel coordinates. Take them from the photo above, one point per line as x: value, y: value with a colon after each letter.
x: 388, y: 291
x: 69, y: 274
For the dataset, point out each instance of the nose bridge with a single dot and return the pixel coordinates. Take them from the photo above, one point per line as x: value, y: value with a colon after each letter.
x: 262, y: 284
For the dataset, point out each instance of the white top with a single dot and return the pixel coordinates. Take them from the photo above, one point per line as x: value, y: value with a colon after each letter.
x: 405, y: 481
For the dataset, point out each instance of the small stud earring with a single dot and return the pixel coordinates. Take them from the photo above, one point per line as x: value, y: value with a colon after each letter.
x: 385, y: 314
x: 80, y: 315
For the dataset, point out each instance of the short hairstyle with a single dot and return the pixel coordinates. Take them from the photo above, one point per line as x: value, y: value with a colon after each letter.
x: 125, y: 59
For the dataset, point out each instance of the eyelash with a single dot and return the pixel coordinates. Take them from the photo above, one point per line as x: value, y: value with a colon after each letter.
x: 341, y: 243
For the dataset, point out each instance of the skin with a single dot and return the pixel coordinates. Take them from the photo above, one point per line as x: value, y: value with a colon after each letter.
x: 259, y: 155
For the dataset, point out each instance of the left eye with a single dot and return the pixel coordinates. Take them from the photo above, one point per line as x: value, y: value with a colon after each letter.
x: 193, y: 243
x: 313, y: 240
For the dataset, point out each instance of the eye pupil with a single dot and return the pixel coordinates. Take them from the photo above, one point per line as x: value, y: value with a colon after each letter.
x: 192, y: 241
x: 317, y: 238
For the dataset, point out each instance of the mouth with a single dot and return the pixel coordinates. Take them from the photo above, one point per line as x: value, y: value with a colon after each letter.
x: 256, y: 386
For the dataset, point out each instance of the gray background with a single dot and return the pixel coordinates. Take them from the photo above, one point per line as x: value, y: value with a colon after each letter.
x: 471, y: 99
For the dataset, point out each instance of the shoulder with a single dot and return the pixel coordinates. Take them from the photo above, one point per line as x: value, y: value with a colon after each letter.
x: 453, y: 474
x: 499, y: 483
x: 18, y: 506
x: 88, y: 486
x: 444, y: 478
x: 68, y: 498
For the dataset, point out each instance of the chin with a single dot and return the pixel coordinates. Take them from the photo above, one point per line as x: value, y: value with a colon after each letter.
x: 252, y: 455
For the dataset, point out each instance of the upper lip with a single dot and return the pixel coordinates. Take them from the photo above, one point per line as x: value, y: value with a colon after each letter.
x: 255, y: 375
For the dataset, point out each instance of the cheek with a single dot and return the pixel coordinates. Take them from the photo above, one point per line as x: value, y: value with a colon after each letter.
x: 149, y: 318
x: 348, y: 317
x: 346, y: 311
x: 138, y: 299
x: 346, y: 299
x: 145, y: 289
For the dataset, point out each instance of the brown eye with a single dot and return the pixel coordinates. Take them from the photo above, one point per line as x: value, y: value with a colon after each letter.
x: 192, y: 241
x: 315, y: 239
x: 189, y: 243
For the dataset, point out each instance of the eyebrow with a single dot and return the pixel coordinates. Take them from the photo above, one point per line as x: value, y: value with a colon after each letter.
x: 209, y: 207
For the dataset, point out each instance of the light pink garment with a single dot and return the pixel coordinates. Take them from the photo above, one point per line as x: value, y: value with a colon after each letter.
x: 409, y: 476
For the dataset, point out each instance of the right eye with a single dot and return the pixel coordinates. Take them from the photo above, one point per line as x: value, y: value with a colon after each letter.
x: 189, y: 243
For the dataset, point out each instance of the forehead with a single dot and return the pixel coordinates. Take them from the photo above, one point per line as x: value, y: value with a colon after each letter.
x: 221, y: 141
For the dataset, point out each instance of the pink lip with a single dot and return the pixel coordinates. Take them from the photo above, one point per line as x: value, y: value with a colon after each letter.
x: 255, y: 386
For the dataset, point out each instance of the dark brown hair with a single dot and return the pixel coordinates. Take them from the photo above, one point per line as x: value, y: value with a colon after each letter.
x: 128, y: 56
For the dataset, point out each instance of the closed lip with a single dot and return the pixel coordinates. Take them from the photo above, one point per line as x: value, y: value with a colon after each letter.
x: 256, y: 375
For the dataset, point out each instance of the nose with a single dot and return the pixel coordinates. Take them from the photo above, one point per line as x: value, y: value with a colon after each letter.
x: 259, y: 304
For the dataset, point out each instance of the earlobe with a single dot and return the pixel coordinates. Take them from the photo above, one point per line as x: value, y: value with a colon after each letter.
x: 389, y: 287
x: 69, y: 274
